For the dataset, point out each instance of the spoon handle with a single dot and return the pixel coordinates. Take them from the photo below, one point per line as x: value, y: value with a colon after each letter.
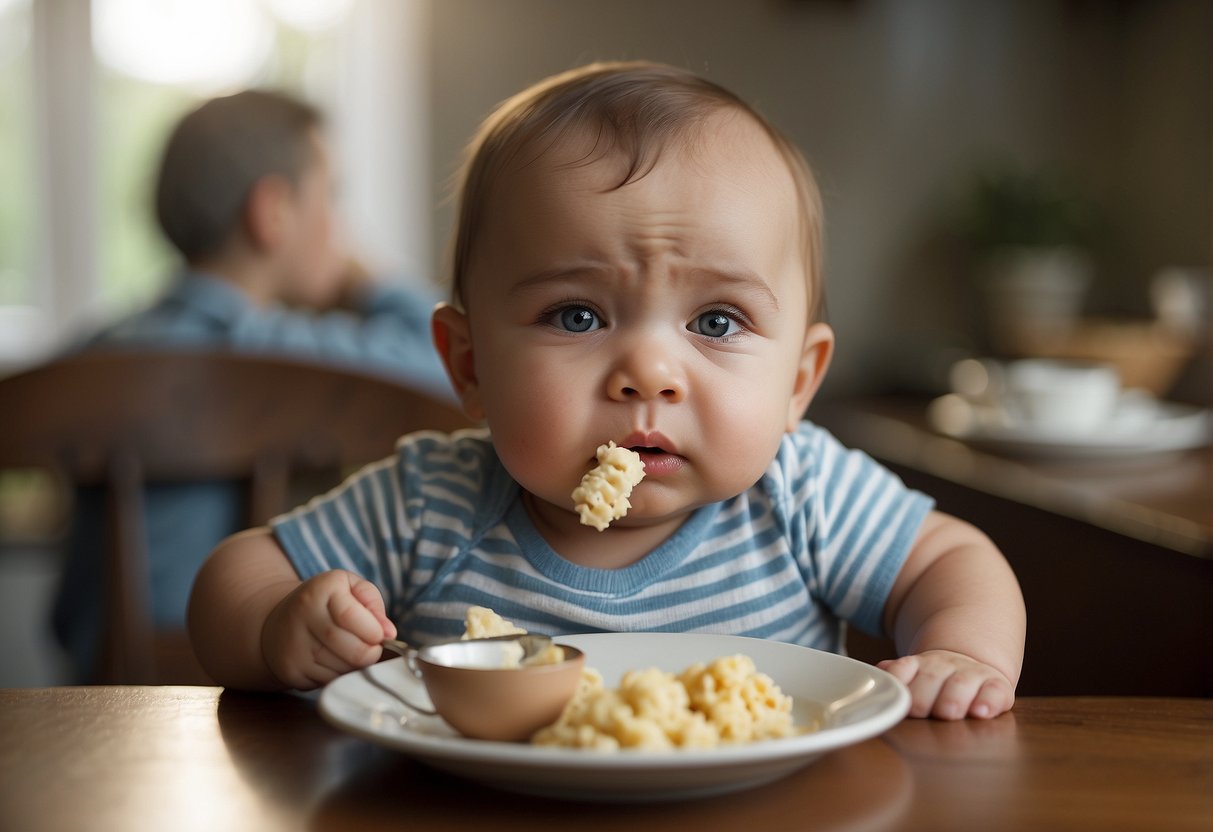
x: 409, y: 654
x: 397, y: 646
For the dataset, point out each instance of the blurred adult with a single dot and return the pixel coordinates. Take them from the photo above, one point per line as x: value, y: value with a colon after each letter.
x: 245, y: 193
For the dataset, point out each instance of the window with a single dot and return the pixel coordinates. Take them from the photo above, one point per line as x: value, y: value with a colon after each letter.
x: 155, y: 60
x: 16, y: 155
x: 88, y: 91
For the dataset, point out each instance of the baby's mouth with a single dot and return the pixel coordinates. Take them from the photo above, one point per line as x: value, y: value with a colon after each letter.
x: 649, y: 443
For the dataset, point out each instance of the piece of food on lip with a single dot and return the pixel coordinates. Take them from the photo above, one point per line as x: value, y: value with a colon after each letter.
x: 603, y: 493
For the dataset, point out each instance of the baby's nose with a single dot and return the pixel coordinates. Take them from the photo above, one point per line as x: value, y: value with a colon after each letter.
x: 643, y: 375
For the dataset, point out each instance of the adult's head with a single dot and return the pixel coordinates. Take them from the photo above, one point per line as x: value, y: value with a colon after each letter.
x: 251, y: 173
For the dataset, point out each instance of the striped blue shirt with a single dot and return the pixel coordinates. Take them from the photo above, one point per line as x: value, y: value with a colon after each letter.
x: 440, y: 526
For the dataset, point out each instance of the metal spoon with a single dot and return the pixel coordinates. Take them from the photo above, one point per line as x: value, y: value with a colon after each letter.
x: 532, y: 644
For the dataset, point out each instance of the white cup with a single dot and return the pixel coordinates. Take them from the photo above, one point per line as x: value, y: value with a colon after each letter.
x: 1060, y: 396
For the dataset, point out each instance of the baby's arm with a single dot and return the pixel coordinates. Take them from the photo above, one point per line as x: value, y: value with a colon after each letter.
x: 255, y: 625
x: 957, y: 616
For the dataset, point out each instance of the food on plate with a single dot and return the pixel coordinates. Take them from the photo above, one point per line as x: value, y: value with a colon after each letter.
x: 744, y: 704
x: 603, y: 493
x: 726, y: 701
x: 722, y: 702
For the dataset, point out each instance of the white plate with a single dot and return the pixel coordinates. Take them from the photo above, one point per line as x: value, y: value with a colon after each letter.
x: 1166, y: 428
x: 855, y: 701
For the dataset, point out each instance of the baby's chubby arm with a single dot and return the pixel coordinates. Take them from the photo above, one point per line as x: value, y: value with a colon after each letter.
x: 256, y: 626
x: 957, y: 616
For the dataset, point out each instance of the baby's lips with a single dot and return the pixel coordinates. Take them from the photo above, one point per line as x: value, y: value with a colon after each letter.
x: 649, y: 439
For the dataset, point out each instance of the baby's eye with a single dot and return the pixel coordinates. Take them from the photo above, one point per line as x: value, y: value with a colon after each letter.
x: 714, y: 325
x: 576, y: 319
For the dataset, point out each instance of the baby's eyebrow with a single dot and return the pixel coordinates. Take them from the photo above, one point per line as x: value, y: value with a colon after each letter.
x: 557, y: 274
x: 740, y: 279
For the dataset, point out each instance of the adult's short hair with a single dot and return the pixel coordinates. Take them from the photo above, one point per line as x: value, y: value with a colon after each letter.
x: 217, y: 153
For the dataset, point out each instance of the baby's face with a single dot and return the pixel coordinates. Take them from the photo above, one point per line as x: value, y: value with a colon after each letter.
x: 669, y: 315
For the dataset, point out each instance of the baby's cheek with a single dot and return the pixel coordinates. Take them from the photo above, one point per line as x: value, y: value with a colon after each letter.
x: 539, y: 459
x: 750, y: 454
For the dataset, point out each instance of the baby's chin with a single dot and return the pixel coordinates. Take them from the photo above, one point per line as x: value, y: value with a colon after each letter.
x: 653, y: 505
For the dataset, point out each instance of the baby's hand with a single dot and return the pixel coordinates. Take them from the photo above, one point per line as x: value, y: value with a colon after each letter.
x: 330, y: 624
x: 949, y: 685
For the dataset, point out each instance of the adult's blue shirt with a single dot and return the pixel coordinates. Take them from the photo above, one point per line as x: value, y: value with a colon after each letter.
x: 389, y: 334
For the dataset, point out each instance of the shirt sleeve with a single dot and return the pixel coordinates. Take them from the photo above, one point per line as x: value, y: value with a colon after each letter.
x: 361, y: 526
x: 399, y: 521
x: 853, y: 523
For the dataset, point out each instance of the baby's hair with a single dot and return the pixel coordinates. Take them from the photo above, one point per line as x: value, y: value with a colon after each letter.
x: 633, y: 109
x: 215, y: 155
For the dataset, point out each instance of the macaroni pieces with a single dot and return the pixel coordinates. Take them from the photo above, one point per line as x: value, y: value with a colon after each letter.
x: 723, y: 702
x: 742, y: 703
x: 482, y: 622
x: 726, y: 701
x: 603, y: 493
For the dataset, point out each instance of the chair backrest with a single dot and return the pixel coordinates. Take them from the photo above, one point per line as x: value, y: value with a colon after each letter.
x: 126, y: 418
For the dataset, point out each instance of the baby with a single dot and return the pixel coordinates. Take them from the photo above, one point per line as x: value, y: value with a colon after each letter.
x: 637, y: 260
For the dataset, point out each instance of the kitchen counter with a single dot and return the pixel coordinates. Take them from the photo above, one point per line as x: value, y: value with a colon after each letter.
x: 1115, y: 556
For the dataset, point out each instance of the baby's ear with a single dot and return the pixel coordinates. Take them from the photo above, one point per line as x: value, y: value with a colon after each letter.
x: 453, y: 338
x: 814, y: 361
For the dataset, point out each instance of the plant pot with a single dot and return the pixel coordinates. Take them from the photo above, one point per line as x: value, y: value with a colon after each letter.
x: 1033, y: 292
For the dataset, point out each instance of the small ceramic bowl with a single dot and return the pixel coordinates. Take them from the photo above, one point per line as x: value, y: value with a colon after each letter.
x: 476, y: 690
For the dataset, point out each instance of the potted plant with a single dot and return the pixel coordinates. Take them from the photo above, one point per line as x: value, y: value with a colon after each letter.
x: 1030, y: 237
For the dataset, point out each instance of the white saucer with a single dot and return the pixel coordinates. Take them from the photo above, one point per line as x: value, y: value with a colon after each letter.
x: 1139, y: 427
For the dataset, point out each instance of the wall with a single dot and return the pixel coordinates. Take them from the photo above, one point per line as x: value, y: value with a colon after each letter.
x: 895, y: 103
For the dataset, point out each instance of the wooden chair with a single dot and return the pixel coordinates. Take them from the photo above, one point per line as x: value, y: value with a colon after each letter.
x: 122, y: 419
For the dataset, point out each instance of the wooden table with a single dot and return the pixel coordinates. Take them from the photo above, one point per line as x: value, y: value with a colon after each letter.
x: 181, y: 758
